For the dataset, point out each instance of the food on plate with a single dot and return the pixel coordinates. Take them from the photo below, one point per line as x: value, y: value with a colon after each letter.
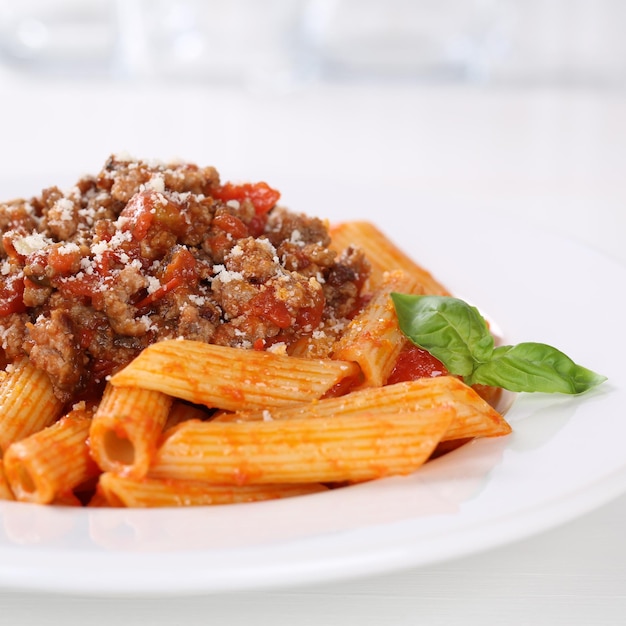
x: 169, y: 339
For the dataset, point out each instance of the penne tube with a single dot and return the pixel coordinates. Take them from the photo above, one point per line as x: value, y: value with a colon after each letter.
x: 358, y: 447
x: 5, y: 489
x: 373, y: 339
x: 317, y: 346
x: 473, y: 416
x: 67, y: 499
x: 46, y: 466
x: 181, y: 412
x: 122, y: 491
x: 27, y: 402
x: 231, y: 378
x: 125, y: 429
x: 383, y: 254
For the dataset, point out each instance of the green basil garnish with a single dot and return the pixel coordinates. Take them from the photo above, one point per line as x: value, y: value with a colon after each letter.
x: 457, y: 334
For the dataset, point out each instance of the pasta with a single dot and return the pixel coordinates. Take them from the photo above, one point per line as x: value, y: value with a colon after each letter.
x: 49, y: 464
x: 122, y: 491
x: 361, y: 446
x: 472, y: 417
x: 175, y: 341
x: 5, y: 490
x: 27, y: 403
x: 230, y: 379
x: 384, y: 255
x: 373, y: 338
x: 125, y: 429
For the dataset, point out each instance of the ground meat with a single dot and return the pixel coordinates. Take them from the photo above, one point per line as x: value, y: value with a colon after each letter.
x: 344, y: 281
x: 116, y: 302
x: 14, y: 334
x: 146, y: 251
x: 35, y: 295
x: 62, y: 219
x: 54, y: 350
x: 193, y: 325
x: 283, y: 226
x: 254, y: 259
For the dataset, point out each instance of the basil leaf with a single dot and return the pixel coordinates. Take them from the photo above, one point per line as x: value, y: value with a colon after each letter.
x: 456, y: 333
x: 451, y: 330
x: 535, y: 367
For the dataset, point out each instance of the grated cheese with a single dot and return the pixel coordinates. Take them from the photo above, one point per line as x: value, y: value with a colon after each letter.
x: 65, y: 207
x: 226, y: 276
x: 31, y: 243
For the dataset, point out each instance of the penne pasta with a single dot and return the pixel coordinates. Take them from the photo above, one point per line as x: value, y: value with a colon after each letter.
x: 361, y: 446
x: 473, y: 416
x: 318, y: 346
x: 5, y: 489
x: 27, y: 402
x: 181, y: 412
x: 121, y: 491
x: 67, y: 498
x: 230, y: 378
x: 49, y: 464
x: 373, y: 338
x: 383, y: 254
x: 125, y: 429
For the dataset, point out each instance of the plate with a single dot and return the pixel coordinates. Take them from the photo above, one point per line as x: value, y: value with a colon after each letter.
x: 564, y: 458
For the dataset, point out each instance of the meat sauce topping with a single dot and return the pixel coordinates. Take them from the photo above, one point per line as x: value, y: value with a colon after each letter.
x: 147, y: 251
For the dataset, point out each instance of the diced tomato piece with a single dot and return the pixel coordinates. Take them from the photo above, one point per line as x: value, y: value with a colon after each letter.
x: 12, y: 295
x: 262, y: 196
x: 138, y: 214
x: 63, y: 263
x: 231, y: 225
x: 414, y: 363
x: 85, y: 286
x: 270, y: 308
x: 183, y: 265
x: 181, y: 270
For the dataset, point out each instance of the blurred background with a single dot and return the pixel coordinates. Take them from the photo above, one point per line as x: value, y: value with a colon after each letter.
x: 502, y: 106
x: 282, y: 44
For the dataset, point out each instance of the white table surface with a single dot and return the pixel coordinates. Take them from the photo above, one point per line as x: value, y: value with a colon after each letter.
x: 554, y: 158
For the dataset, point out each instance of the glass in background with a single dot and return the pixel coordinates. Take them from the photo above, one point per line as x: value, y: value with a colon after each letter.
x: 561, y: 42
x: 71, y: 37
x: 256, y: 43
x: 281, y: 44
x: 405, y: 39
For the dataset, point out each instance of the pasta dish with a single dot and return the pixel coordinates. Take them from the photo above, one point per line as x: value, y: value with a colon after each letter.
x: 169, y: 339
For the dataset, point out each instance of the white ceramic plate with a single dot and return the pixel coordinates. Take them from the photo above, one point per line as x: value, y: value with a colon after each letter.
x: 565, y: 457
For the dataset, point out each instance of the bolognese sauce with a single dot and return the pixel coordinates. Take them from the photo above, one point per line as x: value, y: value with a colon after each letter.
x: 147, y: 251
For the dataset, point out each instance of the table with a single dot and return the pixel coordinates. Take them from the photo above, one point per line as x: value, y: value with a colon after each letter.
x: 551, y: 157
